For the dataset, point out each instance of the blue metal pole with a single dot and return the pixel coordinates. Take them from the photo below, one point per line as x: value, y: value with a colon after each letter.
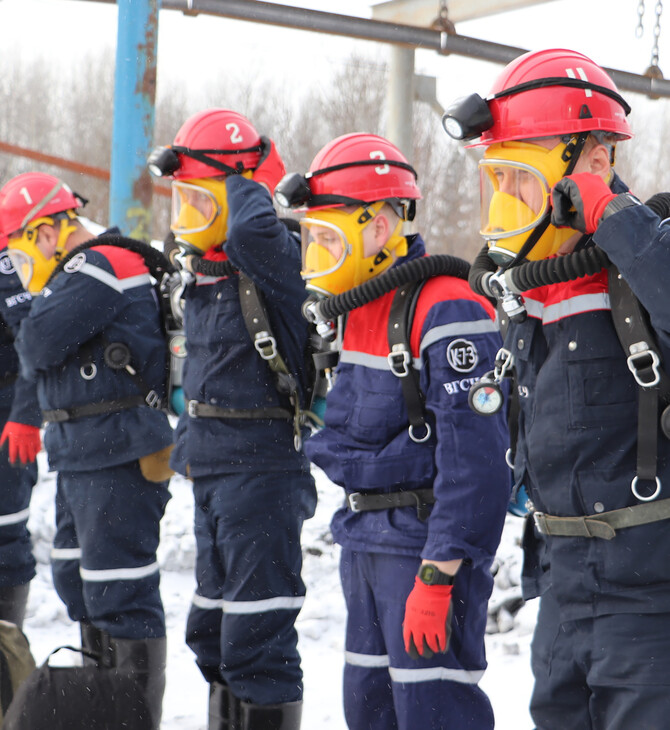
x: 134, y: 101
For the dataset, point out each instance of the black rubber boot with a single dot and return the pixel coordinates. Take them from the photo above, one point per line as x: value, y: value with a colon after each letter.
x: 219, y: 706
x: 13, y: 601
x: 97, y: 642
x: 146, y: 659
x: 270, y: 717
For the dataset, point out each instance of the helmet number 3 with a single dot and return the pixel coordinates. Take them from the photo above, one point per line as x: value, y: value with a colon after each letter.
x: 380, y: 169
x: 234, y: 130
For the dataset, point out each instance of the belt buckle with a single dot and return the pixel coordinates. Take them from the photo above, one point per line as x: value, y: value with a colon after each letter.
x: 540, y: 522
x: 191, y: 407
x: 352, y: 501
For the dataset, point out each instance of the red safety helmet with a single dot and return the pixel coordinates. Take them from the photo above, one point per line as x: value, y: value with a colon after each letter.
x: 552, y: 93
x: 223, y: 136
x: 363, y: 167
x: 33, y: 195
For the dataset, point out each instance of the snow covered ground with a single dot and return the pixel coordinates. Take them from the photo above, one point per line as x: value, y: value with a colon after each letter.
x: 320, y: 625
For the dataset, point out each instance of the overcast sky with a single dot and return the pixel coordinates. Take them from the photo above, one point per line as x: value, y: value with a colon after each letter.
x: 64, y: 31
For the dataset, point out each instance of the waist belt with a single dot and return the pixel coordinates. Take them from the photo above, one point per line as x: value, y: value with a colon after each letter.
x: 58, y: 415
x: 205, y: 410
x: 605, y: 524
x: 419, y: 498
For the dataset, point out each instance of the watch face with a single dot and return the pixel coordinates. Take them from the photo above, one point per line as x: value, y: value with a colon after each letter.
x: 428, y: 573
x: 485, y: 398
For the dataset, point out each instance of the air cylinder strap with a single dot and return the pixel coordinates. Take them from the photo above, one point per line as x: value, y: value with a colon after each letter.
x: 605, y: 524
x: 401, y: 361
x: 638, y: 342
x: 258, y: 325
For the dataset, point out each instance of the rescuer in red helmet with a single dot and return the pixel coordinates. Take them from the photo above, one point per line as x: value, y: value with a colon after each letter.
x: 580, y: 267
x: 92, y: 341
x: 425, y: 479
x: 239, y: 439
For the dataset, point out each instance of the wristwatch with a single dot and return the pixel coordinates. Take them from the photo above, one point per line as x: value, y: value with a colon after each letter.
x: 431, y: 575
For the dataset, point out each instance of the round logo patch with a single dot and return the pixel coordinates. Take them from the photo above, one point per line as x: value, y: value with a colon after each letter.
x: 6, y: 266
x: 75, y: 263
x: 462, y: 355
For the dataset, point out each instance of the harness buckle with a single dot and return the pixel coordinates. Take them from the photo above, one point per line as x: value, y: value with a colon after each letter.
x: 191, y: 408
x: 352, y: 500
x: 152, y: 399
x: 399, y: 361
x: 643, y: 362
x: 266, y: 345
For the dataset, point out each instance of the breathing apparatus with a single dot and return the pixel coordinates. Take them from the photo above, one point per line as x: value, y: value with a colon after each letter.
x: 351, y: 182
x: 556, y: 94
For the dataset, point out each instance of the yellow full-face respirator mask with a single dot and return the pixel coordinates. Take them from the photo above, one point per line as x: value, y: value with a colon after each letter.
x: 516, y: 179
x: 200, y: 213
x: 334, y: 259
x: 31, y: 265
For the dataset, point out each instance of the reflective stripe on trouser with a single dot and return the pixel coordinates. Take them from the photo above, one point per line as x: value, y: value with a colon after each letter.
x: 249, y: 589
x: 16, y: 550
x: 608, y: 672
x: 104, y: 554
x: 384, y: 689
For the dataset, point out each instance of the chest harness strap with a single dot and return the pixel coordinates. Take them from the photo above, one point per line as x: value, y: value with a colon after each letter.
x: 258, y: 325
x: 400, y: 358
x: 638, y: 342
x: 117, y: 357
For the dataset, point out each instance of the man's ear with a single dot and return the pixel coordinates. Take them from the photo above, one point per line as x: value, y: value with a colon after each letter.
x: 47, y: 239
x: 599, y: 161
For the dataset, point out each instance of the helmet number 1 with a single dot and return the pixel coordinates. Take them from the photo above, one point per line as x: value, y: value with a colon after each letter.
x: 26, y: 195
x: 234, y: 130
x: 380, y: 169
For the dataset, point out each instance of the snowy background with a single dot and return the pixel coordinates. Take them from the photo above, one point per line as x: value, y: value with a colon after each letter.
x: 320, y: 624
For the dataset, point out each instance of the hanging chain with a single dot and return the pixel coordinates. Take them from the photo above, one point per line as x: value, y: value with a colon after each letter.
x: 639, y: 30
x: 442, y: 21
x: 657, y: 33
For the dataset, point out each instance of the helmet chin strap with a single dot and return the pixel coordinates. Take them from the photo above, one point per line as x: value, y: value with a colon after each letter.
x: 571, y: 154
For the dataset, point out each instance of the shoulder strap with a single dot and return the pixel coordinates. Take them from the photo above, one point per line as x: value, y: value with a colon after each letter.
x: 642, y: 355
x: 400, y: 357
x: 258, y: 325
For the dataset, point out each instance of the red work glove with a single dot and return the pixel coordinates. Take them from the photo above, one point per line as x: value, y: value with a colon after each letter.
x: 579, y: 201
x: 427, y: 620
x: 24, y: 441
x: 270, y: 169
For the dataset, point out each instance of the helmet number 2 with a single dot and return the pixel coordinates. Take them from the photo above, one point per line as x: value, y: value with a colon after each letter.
x: 234, y: 130
x: 26, y: 195
x: 380, y: 169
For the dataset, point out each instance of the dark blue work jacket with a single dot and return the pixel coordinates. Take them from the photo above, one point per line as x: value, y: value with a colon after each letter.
x: 15, y: 392
x: 577, y: 445
x: 104, y: 295
x: 222, y: 366
x: 365, y: 445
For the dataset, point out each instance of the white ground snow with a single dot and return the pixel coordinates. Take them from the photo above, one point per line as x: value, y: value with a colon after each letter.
x: 320, y: 625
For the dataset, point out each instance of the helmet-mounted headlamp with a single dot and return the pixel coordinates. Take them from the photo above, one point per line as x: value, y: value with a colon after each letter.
x: 294, y: 191
x: 164, y: 161
x: 470, y: 116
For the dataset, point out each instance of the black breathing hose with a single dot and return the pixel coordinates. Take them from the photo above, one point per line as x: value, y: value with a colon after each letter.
x: 532, y: 274
x: 421, y: 268
x: 157, y: 263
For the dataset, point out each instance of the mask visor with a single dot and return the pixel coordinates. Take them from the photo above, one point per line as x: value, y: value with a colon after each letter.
x: 194, y: 208
x: 23, y: 265
x: 514, y: 198
x: 324, y: 248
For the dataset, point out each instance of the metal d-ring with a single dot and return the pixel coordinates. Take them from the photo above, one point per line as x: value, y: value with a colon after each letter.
x: 637, y: 495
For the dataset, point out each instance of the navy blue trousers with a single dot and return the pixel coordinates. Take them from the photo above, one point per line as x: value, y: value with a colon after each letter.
x: 604, y: 673
x: 241, y: 626
x: 17, y: 564
x: 104, y: 555
x: 384, y: 688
